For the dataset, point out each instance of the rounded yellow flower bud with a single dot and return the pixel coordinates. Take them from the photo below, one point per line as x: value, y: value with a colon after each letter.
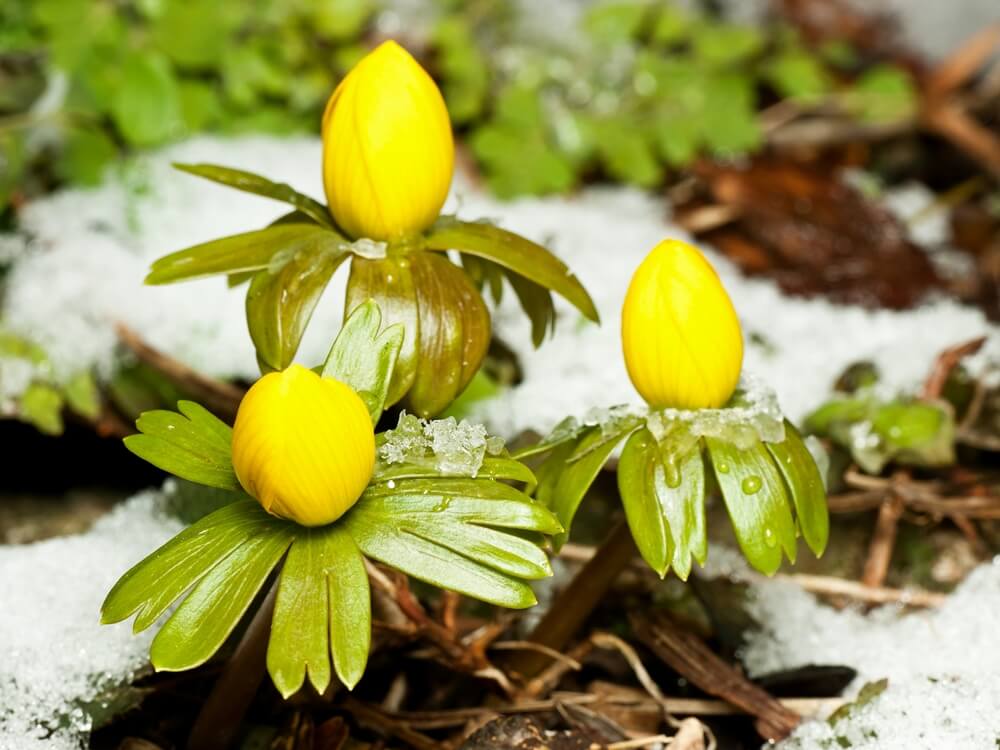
x: 303, y: 445
x: 388, y: 154
x: 680, y: 334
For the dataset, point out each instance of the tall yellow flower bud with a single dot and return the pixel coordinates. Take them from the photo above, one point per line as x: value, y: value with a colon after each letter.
x: 680, y: 334
x: 303, y: 446
x: 388, y: 153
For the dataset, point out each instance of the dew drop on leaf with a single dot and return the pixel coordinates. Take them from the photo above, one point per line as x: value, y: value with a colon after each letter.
x: 751, y: 485
x: 769, y: 538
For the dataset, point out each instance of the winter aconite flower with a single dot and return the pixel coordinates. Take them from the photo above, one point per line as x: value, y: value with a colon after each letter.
x: 680, y: 334
x: 303, y: 446
x: 388, y: 153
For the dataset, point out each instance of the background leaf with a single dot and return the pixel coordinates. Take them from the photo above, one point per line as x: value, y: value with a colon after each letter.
x: 146, y: 106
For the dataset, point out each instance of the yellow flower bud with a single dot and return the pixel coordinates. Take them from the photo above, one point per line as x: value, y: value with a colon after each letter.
x: 388, y: 153
x: 303, y: 446
x: 680, y: 334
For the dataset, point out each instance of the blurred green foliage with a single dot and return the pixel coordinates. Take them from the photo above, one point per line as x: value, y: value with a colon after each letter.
x: 638, y: 89
x: 83, y: 79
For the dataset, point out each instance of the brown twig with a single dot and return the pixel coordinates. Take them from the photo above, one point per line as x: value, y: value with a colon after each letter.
x: 577, y: 601
x: 832, y: 586
x: 389, y: 725
x: 222, y: 398
x: 220, y: 717
x: 947, y: 361
x: 883, y: 541
x: 688, y: 655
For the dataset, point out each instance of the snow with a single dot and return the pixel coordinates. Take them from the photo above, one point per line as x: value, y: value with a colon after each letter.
x: 452, y: 447
x: 56, y: 654
x: 753, y: 415
x: 942, y: 665
x: 90, y: 249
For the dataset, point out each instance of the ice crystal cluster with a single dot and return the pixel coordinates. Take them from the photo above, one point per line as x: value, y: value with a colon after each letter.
x: 452, y: 447
x: 57, y: 659
x: 752, y: 414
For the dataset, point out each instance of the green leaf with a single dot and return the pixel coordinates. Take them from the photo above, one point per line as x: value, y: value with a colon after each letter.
x: 805, y: 485
x: 757, y: 501
x: 154, y: 583
x: 364, y: 356
x: 41, y: 405
x: 883, y: 94
x: 146, y: 106
x: 680, y: 490
x: 203, y: 621
x: 536, y: 301
x: 322, y: 592
x: 515, y: 253
x: 281, y: 300
x: 636, y: 484
x: 194, y: 445
x: 389, y: 283
x: 493, y: 467
x: 796, y: 74
x: 450, y: 533
x: 82, y: 395
x: 591, y: 452
x: 252, y: 183
x: 615, y: 22
x: 242, y: 253
x: 720, y: 44
x: 453, y: 333
x: 85, y: 155
x: 350, y: 606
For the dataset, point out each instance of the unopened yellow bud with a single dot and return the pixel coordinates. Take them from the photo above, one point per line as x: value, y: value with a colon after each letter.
x: 388, y: 154
x: 680, y: 334
x: 303, y: 446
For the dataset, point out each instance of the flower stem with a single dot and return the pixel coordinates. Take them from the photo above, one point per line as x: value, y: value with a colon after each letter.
x: 575, y: 603
x: 221, y: 716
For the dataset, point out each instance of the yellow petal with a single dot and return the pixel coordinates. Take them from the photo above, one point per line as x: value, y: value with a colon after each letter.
x: 388, y: 154
x: 680, y: 334
x: 303, y: 446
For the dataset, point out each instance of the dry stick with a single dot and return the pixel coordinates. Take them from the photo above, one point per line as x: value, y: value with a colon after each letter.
x: 223, y: 398
x: 688, y: 655
x: 574, y: 604
x: 385, y: 723
x: 832, y: 586
x: 883, y: 541
x: 220, y: 718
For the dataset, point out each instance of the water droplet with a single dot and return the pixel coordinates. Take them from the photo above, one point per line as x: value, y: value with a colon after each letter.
x: 769, y: 538
x: 751, y: 485
x: 391, y: 484
x: 672, y: 474
x: 722, y: 467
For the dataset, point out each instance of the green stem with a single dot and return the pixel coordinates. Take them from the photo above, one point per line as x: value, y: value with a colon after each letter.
x: 575, y: 603
x: 220, y: 718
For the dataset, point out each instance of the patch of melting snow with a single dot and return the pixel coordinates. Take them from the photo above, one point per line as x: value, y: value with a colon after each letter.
x: 942, y: 665
x: 89, y: 250
x: 56, y: 655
